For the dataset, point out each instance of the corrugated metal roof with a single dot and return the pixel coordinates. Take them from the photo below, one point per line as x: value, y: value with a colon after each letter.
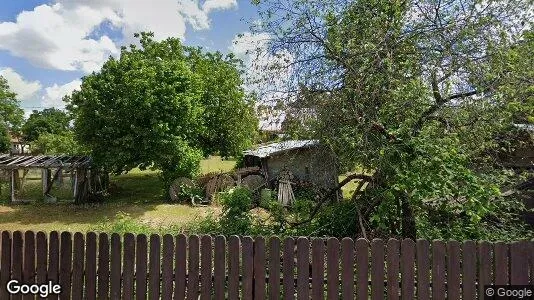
x: 44, y: 161
x: 270, y: 149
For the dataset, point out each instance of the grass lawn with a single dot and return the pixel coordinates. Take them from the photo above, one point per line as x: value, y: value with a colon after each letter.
x: 137, y: 195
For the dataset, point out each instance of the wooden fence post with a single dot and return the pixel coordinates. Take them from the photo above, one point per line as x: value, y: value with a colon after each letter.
x: 233, y: 267
x: 377, y: 269
x: 274, y: 268
x: 347, y: 270
x: 5, y: 263
x: 332, y: 266
x: 219, y: 268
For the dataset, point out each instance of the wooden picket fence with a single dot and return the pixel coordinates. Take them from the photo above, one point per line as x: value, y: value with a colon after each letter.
x: 102, y: 266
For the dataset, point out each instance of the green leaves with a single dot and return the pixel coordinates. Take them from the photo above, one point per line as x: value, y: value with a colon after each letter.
x: 50, y: 120
x: 62, y: 143
x: 11, y: 115
x: 163, y: 105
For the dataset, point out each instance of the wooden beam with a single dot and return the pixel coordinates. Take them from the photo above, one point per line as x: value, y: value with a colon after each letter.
x: 12, y: 185
x: 51, y: 182
x: 75, y: 175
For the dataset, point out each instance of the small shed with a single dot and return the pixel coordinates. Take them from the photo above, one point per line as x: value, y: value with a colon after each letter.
x: 52, y: 168
x: 307, y: 160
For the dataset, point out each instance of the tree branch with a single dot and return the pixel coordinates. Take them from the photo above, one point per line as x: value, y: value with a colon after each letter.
x: 439, y: 102
x: 461, y: 95
x: 320, y: 203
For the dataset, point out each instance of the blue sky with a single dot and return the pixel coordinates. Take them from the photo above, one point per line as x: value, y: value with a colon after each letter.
x: 47, y: 46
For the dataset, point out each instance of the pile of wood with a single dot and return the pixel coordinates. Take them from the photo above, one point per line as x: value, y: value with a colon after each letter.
x: 285, y: 191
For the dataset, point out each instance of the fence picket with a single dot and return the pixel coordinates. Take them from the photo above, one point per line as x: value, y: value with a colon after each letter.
x: 17, y: 256
x: 29, y: 259
x: 531, y: 259
x: 377, y: 269
x: 247, y: 248
x: 501, y: 263
x: 485, y: 261
x: 180, y: 267
x: 5, y: 264
x: 90, y: 265
x: 519, y: 263
x: 115, y: 267
x: 219, y: 267
x: 318, y: 269
x: 193, y: 268
x: 28, y: 274
x: 362, y: 266
x: 303, y: 268
x: 206, y: 268
x: 167, y: 267
x: 154, y: 267
x: 128, y: 266
x: 53, y: 260
x: 259, y: 268
x: 288, y: 264
x: 65, y: 265
x: 347, y: 270
x: 233, y: 267
x: 332, y: 265
x: 103, y: 266
x: 41, y: 258
x: 469, y: 270
x: 141, y: 260
x: 407, y: 269
x: 393, y: 268
x: 438, y: 270
x: 78, y: 266
x: 453, y: 270
x: 274, y: 268
x: 423, y: 269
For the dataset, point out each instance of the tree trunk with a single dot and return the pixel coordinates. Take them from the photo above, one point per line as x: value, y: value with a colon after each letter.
x: 408, y: 226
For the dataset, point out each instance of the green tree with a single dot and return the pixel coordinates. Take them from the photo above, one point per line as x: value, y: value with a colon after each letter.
x: 393, y: 87
x: 49, y: 120
x: 11, y: 115
x: 62, y: 143
x: 5, y: 140
x: 163, y: 106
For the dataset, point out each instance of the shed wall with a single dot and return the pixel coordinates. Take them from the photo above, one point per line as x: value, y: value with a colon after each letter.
x: 314, y: 165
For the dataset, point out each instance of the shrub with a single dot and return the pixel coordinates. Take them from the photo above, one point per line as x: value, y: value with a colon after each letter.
x: 236, y: 217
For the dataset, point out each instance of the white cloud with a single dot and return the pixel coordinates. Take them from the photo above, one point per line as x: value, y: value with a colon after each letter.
x: 33, y: 95
x: 53, y: 37
x: 65, y: 35
x: 25, y: 89
x: 53, y: 95
x: 210, y: 5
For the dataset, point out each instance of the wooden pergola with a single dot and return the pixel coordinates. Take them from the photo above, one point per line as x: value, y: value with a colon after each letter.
x: 79, y: 166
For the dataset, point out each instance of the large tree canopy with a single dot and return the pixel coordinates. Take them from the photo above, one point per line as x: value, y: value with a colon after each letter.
x: 407, y: 90
x: 49, y: 120
x: 163, y: 105
x: 11, y: 115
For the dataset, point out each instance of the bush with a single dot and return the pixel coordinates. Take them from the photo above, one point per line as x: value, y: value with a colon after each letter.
x: 236, y: 217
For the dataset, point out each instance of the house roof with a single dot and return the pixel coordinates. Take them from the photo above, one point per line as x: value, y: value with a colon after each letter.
x: 275, y: 148
x: 44, y: 161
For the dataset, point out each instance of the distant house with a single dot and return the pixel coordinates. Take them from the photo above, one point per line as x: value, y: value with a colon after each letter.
x: 18, y: 146
x: 307, y: 160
